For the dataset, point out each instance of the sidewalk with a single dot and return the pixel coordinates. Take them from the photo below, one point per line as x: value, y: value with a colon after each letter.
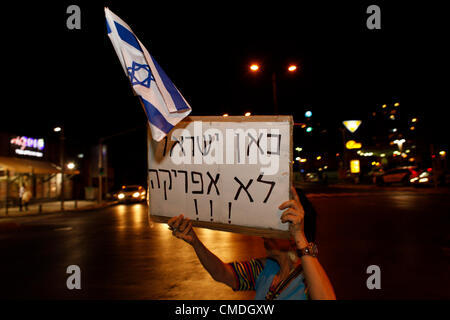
x: 51, y: 207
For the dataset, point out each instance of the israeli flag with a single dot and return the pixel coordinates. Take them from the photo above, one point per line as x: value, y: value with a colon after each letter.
x: 162, y: 102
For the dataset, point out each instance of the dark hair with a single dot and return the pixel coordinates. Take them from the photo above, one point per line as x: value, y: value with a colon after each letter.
x: 310, y: 216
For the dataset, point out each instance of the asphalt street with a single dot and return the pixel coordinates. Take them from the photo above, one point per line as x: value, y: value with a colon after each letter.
x: 122, y: 255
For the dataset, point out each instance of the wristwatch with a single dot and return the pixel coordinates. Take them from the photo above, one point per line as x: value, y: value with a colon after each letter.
x: 309, y: 250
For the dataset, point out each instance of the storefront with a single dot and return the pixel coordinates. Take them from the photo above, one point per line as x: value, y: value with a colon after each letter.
x: 26, y: 161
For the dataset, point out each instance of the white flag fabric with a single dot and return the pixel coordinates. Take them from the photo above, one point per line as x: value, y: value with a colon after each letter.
x: 163, y: 103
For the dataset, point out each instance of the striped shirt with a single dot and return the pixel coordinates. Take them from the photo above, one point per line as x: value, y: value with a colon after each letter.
x: 254, y: 275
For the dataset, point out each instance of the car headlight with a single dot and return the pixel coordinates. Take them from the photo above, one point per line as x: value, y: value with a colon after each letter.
x: 413, y: 179
x: 136, y: 194
x: 121, y: 196
x: 143, y: 193
x: 423, y: 180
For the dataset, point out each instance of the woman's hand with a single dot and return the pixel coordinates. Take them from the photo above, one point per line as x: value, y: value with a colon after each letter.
x: 295, y: 215
x: 182, y: 229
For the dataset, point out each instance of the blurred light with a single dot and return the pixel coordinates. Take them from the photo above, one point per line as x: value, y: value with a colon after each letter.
x: 225, y: 115
x: 303, y: 126
x: 414, y: 120
x: 136, y: 195
x: 412, y: 159
x: 298, y: 149
x: 408, y: 151
x: 57, y: 129
x: 383, y: 155
x: 337, y: 154
x: 320, y: 169
x: 352, y: 125
x: 354, y: 166
x: 309, y: 129
x: 384, y: 106
x: 412, y: 128
x: 396, y: 104
x: 121, y: 196
x: 392, y: 117
x: 80, y: 156
x: 292, y: 68
x: 394, y: 130
x: 71, y: 166
x: 404, y: 155
x: 308, y: 114
x: 325, y: 167
x: 247, y: 114
x: 297, y: 159
x: 254, y: 67
x: 319, y: 157
x: 303, y: 160
x: 442, y: 153
x: 413, y: 180
x: 352, y: 144
x: 422, y: 180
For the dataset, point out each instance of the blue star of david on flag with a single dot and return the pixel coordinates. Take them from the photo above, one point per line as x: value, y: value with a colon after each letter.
x: 141, y: 70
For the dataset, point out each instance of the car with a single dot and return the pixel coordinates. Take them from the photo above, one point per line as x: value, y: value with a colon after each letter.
x: 423, y: 178
x: 400, y: 175
x: 131, y: 193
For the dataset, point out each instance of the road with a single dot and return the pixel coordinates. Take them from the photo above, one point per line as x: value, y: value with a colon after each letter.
x: 123, y: 256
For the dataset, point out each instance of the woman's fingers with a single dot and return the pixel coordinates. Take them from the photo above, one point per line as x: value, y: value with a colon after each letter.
x: 289, y: 204
x: 183, y: 225
x: 294, y: 194
x: 292, y: 215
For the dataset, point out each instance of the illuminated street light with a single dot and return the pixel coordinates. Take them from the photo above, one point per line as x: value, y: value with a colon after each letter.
x: 254, y: 67
x: 292, y: 68
x: 396, y: 104
x: 384, y: 106
x: 319, y: 157
x: 309, y: 129
x: 412, y: 128
x: 57, y: 129
x: 225, y: 115
x: 352, y: 125
x: 414, y: 120
x: 71, y: 166
x: 298, y: 149
x: 442, y: 153
x: 247, y: 114
x: 392, y: 117
x: 308, y: 114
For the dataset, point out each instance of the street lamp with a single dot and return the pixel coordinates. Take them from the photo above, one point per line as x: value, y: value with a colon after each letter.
x: 247, y: 114
x: 291, y: 68
x: 61, y: 161
x: 71, y: 166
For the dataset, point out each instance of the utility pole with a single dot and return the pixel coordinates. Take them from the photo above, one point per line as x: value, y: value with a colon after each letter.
x: 61, y: 158
x: 100, y: 170
x: 274, y: 92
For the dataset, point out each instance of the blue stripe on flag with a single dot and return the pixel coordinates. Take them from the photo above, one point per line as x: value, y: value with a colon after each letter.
x: 155, y: 117
x: 107, y: 27
x: 127, y: 36
x: 178, y: 100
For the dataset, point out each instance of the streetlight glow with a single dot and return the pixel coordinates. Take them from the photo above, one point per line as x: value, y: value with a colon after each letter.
x: 254, y: 67
x: 247, y: 114
x: 309, y: 129
x: 396, y: 104
x: 292, y: 68
x: 225, y: 115
x: 57, y: 129
x: 308, y: 114
x: 71, y: 166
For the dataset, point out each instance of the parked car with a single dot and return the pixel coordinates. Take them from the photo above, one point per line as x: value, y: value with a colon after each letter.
x: 423, y: 178
x: 132, y: 193
x: 397, y: 175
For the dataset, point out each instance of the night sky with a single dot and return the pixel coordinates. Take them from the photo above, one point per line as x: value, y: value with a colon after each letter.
x: 55, y: 76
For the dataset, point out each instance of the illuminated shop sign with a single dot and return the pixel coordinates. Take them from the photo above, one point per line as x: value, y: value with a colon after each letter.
x: 28, y: 146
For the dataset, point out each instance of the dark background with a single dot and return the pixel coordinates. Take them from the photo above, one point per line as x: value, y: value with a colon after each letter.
x: 56, y: 76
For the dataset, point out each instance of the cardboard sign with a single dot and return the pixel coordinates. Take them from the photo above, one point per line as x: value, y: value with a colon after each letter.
x: 224, y: 173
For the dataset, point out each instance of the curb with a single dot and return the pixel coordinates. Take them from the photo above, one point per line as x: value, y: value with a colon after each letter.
x: 11, y: 225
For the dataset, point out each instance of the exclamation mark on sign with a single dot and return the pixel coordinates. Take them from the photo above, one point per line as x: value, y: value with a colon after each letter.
x: 229, y: 212
x: 196, y: 209
x: 210, y: 208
